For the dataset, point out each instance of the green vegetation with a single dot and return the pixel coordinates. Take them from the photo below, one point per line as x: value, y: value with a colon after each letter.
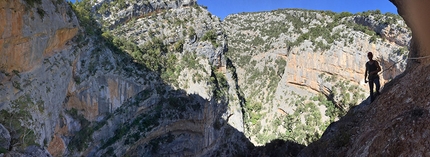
x: 157, y: 54
x: 306, y: 108
x: 303, y: 132
x: 103, y: 8
x: 403, y: 51
x: 190, y: 60
x: 33, y: 2
x: 137, y: 127
x: 16, y: 72
x: 17, y: 119
x: 347, y: 96
x: 191, y: 32
x: 158, y: 51
x: 317, y: 27
x: 179, y: 46
x: 119, y: 133
x: 17, y: 85
x: 281, y: 63
x: 41, y: 12
x: 313, y: 34
x: 83, y: 11
x: 210, y: 36
x: 178, y: 103
x: 82, y: 138
x: 254, y: 113
x: 221, y: 86
x: 3, y: 150
x: 153, y: 54
x: 253, y: 40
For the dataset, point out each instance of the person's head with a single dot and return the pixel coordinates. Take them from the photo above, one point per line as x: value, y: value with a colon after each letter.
x: 370, y: 55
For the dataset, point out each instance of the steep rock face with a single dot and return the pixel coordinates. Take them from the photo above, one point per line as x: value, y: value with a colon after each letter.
x: 35, y: 69
x: 396, y: 33
x: 24, y: 43
x: 97, y: 88
x: 124, y: 11
x: 46, y: 76
x: 73, y: 101
x: 343, y: 57
x: 125, y: 103
x: 387, y: 127
x: 286, y: 53
x: 397, y: 119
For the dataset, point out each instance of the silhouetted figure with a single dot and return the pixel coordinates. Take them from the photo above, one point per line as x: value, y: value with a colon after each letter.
x: 372, y: 69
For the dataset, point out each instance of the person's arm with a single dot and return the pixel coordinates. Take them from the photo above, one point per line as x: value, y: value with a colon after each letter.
x: 365, y: 74
x: 378, y: 68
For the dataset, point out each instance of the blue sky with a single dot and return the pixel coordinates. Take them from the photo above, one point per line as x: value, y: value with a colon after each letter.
x: 222, y: 8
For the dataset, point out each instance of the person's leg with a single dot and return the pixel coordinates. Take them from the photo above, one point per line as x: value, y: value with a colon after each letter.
x: 371, y: 90
x: 377, y: 85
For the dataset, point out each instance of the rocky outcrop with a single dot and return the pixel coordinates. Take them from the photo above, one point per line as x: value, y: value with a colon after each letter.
x: 36, y: 151
x: 36, y: 54
x: 116, y: 106
x: 393, y: 31
x: 129, y: 10
x: 387, y: 127
x: 29, y: 34
x: 412, y: 12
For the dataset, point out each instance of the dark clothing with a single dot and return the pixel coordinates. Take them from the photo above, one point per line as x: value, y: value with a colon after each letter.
x: 373, y: 79
x: 377, y: 84
x: 370, y: 68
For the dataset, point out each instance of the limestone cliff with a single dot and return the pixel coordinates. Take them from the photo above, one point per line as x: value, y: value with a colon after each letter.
x: 23, y: 43
x: 395, y: 124
x: 35, y: 50
x: 293, y: 55
x: 86, y: 93
x: 167, y: 78
x: 164, y: 93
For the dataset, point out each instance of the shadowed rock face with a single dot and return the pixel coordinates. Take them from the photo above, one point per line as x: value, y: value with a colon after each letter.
x: 396, y: 123
x: 4, y: 137
x: 389, y: 126
x: 413, y: 12
x: 81, y: 98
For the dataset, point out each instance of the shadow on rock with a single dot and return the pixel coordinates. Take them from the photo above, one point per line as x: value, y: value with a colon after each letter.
x: 278, y: 148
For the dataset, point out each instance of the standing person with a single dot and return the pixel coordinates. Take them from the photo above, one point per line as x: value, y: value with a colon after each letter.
x: 372, y: 69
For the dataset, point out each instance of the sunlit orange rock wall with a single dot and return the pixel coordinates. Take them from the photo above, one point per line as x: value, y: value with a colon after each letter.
x: 30, y: 33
